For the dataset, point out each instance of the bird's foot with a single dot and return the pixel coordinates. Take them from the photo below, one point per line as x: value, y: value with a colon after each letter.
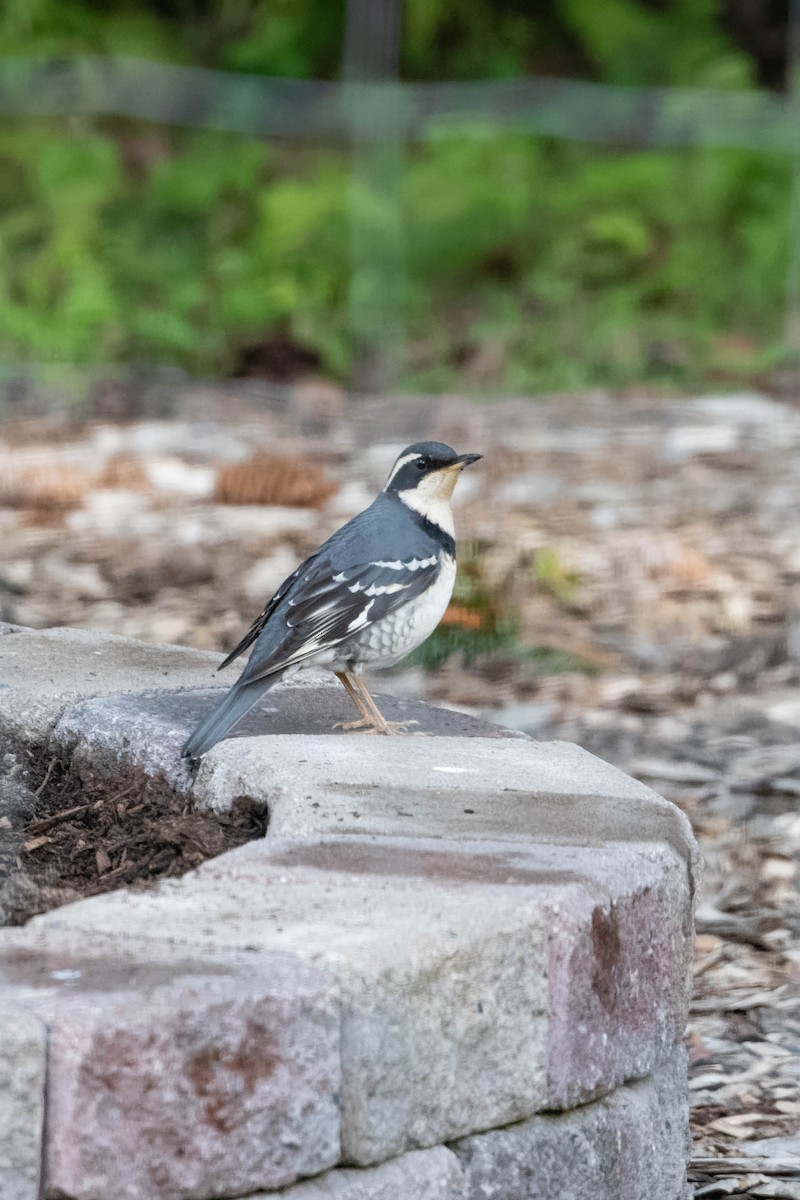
x: 366, y: 725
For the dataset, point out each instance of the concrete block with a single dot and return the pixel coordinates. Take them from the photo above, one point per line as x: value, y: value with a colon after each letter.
x: 419, y: 1175
x: 618, y: 970
x: 177, y: 1078
x: 453, y: 961
x: 44, y: 671
x: 17, y: 804
x: 506, y: 926
x: 513, y: 789
x: 631, y: 1145
x: 23, y: 1045
x: 140, y: 735
x: 443, y: 987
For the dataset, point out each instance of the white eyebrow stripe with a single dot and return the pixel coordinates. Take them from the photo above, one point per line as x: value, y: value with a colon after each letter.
x: 401, y: 462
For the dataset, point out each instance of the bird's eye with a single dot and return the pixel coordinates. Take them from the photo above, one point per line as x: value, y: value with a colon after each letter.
x: 422, y: 464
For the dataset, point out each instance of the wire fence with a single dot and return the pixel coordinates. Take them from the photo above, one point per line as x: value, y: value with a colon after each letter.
x: 377, y: 116
x: 359, y: 110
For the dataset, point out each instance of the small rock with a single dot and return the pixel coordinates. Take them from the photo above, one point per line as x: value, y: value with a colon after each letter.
x: 529, y: 718
x: 765, y: 763
x: 351, y: 498
x: 787, y: 1149
x: 672, y: 771
x: 778, y: 1189
x: 688, y: 440
x: 264, y: 579
x: 785, y: 712
x: 107, y: 511
x: 537, y: 488
x: 173, y: 475
x: 84, y: 580
x: 789, y: 786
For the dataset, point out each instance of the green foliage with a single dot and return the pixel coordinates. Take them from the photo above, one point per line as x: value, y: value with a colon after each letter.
x: 552, y: 575
x: 582, y: 265
x: 532, y: 265
x: 205, y: 251
x: 478, y: 623
x: 679, y: 44
x: 587, y: 266
x: 620, y: 41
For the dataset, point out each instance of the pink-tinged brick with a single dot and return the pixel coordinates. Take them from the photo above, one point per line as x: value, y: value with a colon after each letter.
x: 617, y: 969
x: 184, y: 1083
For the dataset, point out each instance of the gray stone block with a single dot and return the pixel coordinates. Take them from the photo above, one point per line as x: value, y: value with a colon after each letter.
x: 23, y: 1044
x: 419, y: 1175
x: 447, y: 787
x: 17, y: 804
x: 443, y: 988
x: 453, y: 961
x: 632, y: 1145
x: 44, y: 671
x: 178, y: 1077
x: 554, y: 793
x: 500, y: 928
x: 618, y: 978
x: 117, y: 737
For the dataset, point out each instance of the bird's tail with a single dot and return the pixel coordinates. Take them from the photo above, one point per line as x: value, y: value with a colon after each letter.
x: 239, y: 700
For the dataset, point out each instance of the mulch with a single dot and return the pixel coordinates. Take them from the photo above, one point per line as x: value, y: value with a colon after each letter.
x: 76, y: 845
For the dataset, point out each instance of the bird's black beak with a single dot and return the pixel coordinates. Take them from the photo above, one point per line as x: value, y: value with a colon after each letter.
x: 464, y: 460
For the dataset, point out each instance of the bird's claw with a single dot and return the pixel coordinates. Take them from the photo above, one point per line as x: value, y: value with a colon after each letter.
x: 367, y: 726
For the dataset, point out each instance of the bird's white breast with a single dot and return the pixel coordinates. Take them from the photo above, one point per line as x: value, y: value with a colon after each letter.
x: 387, y: 641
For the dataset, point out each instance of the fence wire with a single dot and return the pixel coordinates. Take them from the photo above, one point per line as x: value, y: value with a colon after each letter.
x: 378, y: 116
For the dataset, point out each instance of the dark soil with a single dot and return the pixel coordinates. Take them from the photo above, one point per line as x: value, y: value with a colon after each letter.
x: 66, y: 845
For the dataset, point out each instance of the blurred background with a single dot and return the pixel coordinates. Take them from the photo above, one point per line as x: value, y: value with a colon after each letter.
x: 562, y: 194
x: 249, y: 249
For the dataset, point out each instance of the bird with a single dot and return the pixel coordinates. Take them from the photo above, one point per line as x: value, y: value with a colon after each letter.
x: 372, y: 593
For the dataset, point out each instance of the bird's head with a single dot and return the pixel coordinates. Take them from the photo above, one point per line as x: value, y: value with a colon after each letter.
x: 423, y: 478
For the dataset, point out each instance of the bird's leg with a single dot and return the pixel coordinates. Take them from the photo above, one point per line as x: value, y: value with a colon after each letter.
x: 381, y: 724
x: 349, y: 684
x: 372, y: 719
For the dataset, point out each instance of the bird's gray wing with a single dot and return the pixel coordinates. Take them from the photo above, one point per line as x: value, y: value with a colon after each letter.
x: 324, y: 605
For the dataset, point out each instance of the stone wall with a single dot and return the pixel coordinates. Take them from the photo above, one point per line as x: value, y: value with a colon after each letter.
x: 456, y: 966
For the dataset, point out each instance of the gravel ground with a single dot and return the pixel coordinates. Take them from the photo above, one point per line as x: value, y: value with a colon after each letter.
x: 734, y: 771
x: 647, y: 549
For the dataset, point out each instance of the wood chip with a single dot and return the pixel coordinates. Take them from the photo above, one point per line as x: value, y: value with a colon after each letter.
x: 35, y: 843
x: 58, y: 818
x: 50, y: 768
